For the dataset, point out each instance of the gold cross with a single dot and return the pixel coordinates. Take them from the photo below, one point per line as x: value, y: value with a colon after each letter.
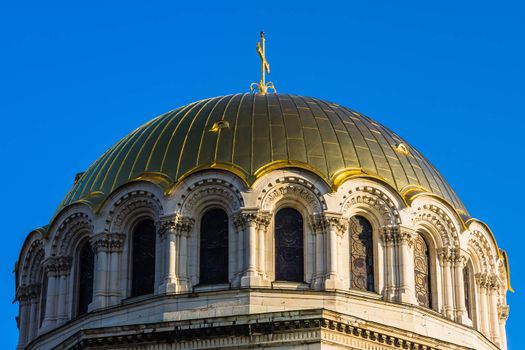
x: 262, y: 87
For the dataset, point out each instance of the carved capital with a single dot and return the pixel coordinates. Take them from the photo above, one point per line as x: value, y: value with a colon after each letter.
x: 459, y: 258
x: 64, y: 265
x: 503, y: 312
x: 239, y: 222
x: 51, y: 266
x: 317, y: 222
x: 389, y: 234
x: 100, y: 242
x: 116, y: 242
x: 405, y: 236
x: 445, y: 255
x: 263, y: 220
x: 22, y: 294
x: 176, y: 224
x: 482, y: 280
x: 34, y: 290
x: 337, y: 223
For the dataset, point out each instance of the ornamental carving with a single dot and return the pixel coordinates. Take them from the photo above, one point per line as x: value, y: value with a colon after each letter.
x: 482, y: 248
x: 372, y: 198
x: 176, y: 224
x: 291, y: 186
x: 336, y: 223
x: 438, y: 219
x: 204, y: 189
x: 129, y: 203
x: 68, y: 229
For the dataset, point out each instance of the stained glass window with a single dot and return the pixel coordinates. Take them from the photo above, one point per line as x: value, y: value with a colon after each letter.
x: 143, y: 258
x: 213, y: 265
x: 422, y: 272
x: 85, y: 278
x: 466, y: 283
x: 289, y: 259
x: 361, y: 254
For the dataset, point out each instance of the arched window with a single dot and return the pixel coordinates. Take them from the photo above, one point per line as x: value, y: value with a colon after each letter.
x: 86, y: 267
x: 422, y: 272
x: 143, y: 258
x: 213, y: 265
x: 467, y: 288
x: 361, y: 254
x: 289, y: 254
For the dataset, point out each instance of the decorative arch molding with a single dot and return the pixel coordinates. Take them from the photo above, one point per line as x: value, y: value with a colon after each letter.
x: 438, y: 219
x: 33, y: 263
x: 67, y: 231
x: 287, y: 187
x: 371, y: 199
x: 210, y: 189
x: 481, y: 246
x: 129, y: 203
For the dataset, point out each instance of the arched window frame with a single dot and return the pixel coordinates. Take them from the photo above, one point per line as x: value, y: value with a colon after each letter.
x: 375, y: 253
x: 77, y: 275
x: 433, y: 270
x: 308, y: 242
x: 229, y: 242
x: 131, y: 230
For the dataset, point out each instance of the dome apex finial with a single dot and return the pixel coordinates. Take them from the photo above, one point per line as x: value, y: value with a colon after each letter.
x: 262, y: 87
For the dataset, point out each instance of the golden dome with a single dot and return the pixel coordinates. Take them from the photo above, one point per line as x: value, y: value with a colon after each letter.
x: 250, y: 134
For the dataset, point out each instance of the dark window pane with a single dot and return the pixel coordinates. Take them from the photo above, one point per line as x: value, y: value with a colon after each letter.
x: 361, y: 254
x: 466, y: 283
x: 422, y: 272
x: 289, y: 260
x: 214, y: 247
x: 143, y: 258
x: 85, y: 278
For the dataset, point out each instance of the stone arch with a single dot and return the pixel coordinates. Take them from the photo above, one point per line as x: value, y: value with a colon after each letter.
x: 32, y: 263
x: 435, y: 219
x: 481, y: 249
x: 372, y: 203
x: 75, y: 224
x: 208, y: 192
x: 291, y: 188
x: 131, y: 205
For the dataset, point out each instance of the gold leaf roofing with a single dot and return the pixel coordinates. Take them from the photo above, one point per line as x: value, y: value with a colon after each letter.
x: 249, y: 134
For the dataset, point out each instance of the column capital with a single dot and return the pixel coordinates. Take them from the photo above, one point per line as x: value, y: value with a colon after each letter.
x: 175, y: 224
x: 459, y: 257
x: 445, y: 255
x: 503, y: 312
x: 100, y: 242
x: 389, y: 233
x: 22, y: 293
x: 52, y: 266
x: 263, y: 220
x: 482, y: 279
x: 335, y: 221
x: 116, y: 242
x: 405, y: 235
x: 34, y: 290
x: 317, y: 222
x: 64, y: 265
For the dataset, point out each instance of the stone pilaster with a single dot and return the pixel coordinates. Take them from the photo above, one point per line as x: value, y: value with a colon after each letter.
x: 34, y: 292
x: 24, y: 307
x: 250, y: 276
x: 445, y: 257
x: 116, y: 247
x: 100, y: 243
x: 336, y: 227
x: 317, y: 223
x: 263, y: 221
x: 482, y: 282
x: 64, y: 270
x: 493, y: 287
x: 404, y: 239
x: 459, y: 262
x: 389, y: 236
x: 51, y: 268
x: 173, y: 232
x: 239, y: 223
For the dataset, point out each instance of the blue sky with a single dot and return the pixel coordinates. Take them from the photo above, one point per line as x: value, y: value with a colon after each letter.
x: 447, y: 76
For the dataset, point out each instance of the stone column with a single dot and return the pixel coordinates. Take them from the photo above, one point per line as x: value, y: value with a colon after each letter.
x: 405, y: 253
x: 173, y: 231
x: 493, y: 286
x: 317, y: 223
x: 445, y: 259
x: 24, y: 302
x: 250, y: 277
x: 459, y: 262
x: 240, y: 224
x: 34, y: 299
x: 336, y: 226
x: 64, y: 270
x: 116, y: 246
x: 388, y: 236
x: 101, y: 245
x: 50, y: 318
x: 263, y: 221
x: 503, y: 314
x: 482, y: 283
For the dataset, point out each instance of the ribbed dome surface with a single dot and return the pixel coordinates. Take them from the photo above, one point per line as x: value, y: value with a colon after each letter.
x: 261, y: 133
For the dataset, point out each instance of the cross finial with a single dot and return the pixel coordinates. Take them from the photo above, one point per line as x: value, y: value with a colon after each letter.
x: 262, y: 87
